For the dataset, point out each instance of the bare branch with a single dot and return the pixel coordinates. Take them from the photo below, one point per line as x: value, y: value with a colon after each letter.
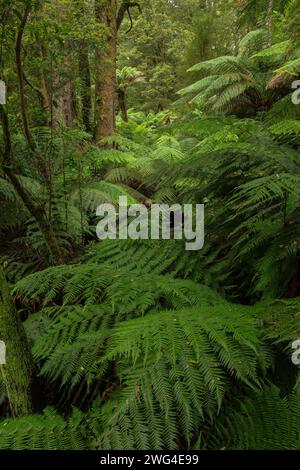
x: 125, y: 8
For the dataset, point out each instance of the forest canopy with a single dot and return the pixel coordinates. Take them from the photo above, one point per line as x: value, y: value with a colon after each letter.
x: 143, y: 344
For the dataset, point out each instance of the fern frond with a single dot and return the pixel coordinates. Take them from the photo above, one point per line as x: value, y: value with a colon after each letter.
x: 173, y: 366
x: 45, y: 432
x: 266, y: 421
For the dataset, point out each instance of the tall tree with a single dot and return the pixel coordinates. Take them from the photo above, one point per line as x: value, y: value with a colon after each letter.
x: 106, y: 64
x: 111, y: 17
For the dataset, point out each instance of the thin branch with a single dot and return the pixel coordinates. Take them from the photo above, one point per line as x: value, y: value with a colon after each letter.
x: 20, y: 74
x: 18, y: 48
x: 33, y: 87
x: 131, y: 22
x: 125, y: 8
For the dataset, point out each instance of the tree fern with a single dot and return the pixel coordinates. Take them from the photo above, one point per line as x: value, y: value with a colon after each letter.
x: 71, y: 339
x: 233, y: 83
x: 173, y: 367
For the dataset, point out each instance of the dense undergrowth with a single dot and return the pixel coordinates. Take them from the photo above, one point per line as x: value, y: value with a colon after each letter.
x: 142, y: 344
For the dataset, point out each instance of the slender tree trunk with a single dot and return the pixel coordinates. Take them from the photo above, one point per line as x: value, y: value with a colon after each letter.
x: 105, y: 86
x: 33, y: 207
x: 85, y: 77
x: 17, y: 373
x: 44, y: 89
x: 20, y: 75
x: 44, y: 92
x: 39, y: 214
x: 122, y: 105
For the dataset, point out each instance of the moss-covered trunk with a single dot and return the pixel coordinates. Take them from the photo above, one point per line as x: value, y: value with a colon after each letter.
x: 105, y: 87
x: 17, y: 373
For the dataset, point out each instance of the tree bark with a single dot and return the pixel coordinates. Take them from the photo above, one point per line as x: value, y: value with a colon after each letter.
x: 17, y: 373
x: 63, y: 111
x: 105, y: 86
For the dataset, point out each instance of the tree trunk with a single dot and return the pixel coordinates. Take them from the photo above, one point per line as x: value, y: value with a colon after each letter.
x: 63, y: 111
x: 122, y: 105
x: 44, y: 89
x: 85, y: 77
x: 17, y: 373
x: 105, y: 86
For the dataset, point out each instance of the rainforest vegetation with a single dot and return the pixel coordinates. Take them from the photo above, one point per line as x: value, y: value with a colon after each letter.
x: 142, y: 344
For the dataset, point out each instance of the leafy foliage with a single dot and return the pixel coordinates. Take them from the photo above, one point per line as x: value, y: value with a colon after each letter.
x: 48, y: 431
x: 266, y: 421
x: 174, y: 367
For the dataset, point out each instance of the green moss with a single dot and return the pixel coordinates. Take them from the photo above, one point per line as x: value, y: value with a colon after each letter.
x: 17, y: 372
